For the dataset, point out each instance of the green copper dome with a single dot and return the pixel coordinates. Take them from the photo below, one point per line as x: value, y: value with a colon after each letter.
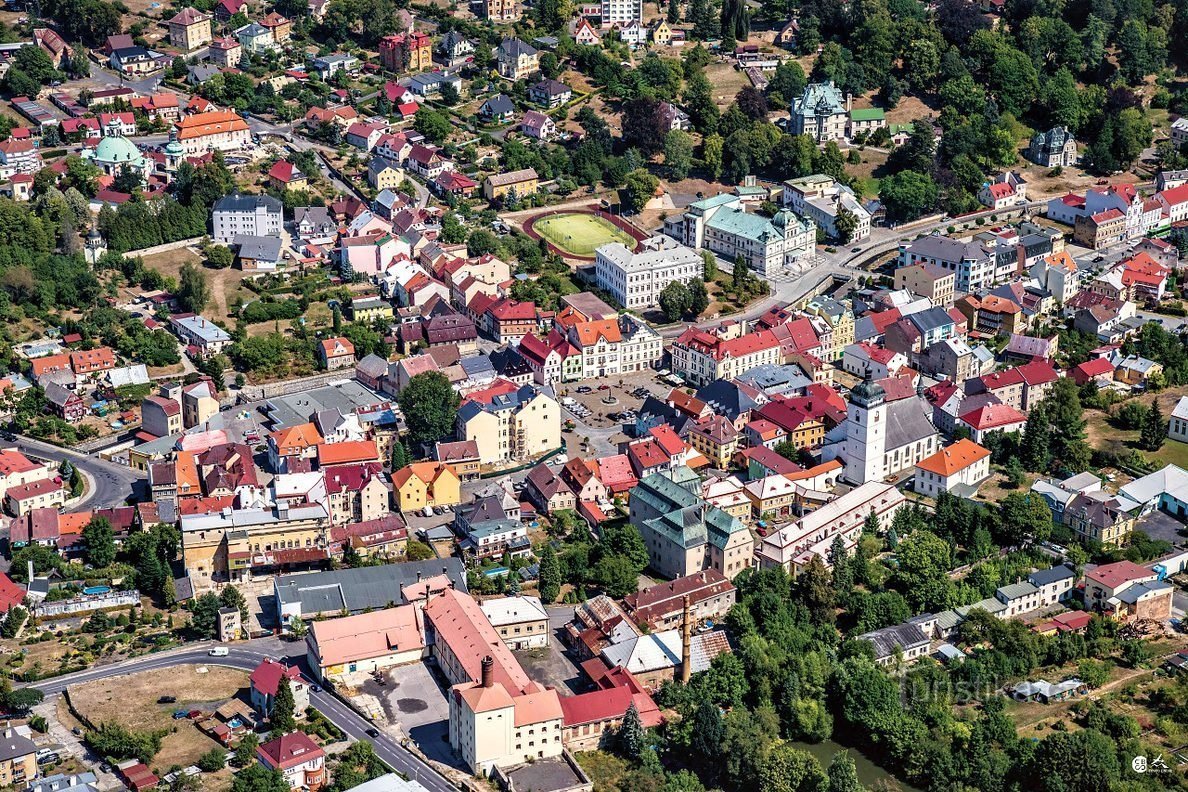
x: 118, y: 150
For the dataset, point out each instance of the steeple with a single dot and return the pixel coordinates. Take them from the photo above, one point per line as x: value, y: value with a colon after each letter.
x: 868, y: 393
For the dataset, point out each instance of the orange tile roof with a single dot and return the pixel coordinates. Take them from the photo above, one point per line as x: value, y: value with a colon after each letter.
x: 427, y: 472
x: 45, y: 365
x: 367, y: 635
x: 461, y: 625
x: 213, y: 123
x: 296, y: 438
x: 348, y: 452
x: 74, y: 522
x: 954, y: 458
x: 588, y: 333
x: 185, y: 468
x: 13, y: 461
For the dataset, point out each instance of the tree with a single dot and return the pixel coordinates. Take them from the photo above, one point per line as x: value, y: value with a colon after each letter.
x: 245, y: 752
x: 257, y: 778
x: 752, y: 103
x: 843, y: 576
x: 14, y: 621
x: 297, y: 627
x: 675, y: 300
x: 908, y: 194
x: 631, y: 734
x: 709, y: 269
x: 678, y: 154
x: 845, y: 224
x: 434, y: 125
x: 193, y: 291
x: 640, y: 187
x: 711, y: 154
x: 213, y: 760
x: 430, y: 405
x: 787, y: 83
x: 815, y: 586
x: 99, y: 546
x: 741, y: 273
x: 790, y: 769
x: 231, y: 597
x: 550, y: 575
x: 1154, y: 430
x: 282, y: 716
x: 707, y: 731
x: 843, y: 774
x: 644, y: 125
x: 219, y: 256
x: 735, y: 20
x: 698, y: 298
x: 204, y: 615
x: 1024, y: 517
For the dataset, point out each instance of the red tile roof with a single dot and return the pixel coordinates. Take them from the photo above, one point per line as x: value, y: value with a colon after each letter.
x: 267, y: 676
x: 289, y: 750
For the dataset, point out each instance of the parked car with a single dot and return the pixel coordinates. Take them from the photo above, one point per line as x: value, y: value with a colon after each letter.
x: 167, y: 700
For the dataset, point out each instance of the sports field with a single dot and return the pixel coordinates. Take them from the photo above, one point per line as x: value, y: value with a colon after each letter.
x: 580, y: 234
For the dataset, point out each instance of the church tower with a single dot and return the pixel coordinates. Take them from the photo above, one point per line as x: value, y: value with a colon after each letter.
x: 866, y: 432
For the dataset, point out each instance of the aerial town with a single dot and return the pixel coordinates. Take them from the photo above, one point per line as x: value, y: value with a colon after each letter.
x: 611, y: 396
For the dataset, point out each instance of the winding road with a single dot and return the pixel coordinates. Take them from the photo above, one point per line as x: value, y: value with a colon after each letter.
x: 111, y: 484
x: 246, y: 657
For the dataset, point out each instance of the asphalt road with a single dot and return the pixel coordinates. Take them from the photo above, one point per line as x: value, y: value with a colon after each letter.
x: 246, y: 657
x: 111, y: 484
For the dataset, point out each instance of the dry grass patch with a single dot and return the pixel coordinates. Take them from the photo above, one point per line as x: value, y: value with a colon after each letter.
x: 131, y: 701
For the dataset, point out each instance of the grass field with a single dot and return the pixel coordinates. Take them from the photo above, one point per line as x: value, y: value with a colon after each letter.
x: 580, y: 234
x: 132, y: 702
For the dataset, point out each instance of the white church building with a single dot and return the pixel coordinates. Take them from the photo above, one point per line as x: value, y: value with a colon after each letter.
x: 881, y: 438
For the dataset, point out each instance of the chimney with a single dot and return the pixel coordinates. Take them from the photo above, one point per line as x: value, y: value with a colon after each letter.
x: 686, y: 630
x: 488, y: 669
x: 418, y: 576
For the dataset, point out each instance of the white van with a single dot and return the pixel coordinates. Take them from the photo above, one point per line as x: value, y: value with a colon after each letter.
x: 219, y: 651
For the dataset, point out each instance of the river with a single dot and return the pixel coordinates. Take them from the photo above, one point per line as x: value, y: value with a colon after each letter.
x: 869, y: 774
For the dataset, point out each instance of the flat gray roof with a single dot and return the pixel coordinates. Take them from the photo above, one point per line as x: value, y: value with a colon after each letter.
x: 356, y: 590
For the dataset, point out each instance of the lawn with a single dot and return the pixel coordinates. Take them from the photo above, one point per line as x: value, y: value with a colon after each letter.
x: 580, y: 234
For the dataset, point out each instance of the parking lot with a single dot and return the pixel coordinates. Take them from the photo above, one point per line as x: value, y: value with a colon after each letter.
x: 611, y: 403
x: 415, y: 700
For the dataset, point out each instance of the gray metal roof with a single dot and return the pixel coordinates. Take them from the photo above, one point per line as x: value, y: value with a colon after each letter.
x: 1043, y: 577
x: 900, y: 636
x: 346, y: 397
x: 259, y: 248
x: 365, y: 587
x: 908, y: 422
x: 238, y: 202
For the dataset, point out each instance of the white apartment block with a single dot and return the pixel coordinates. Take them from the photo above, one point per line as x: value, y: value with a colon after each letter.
x: 620, y: 12
x: 636, y: 279
x: 248, y: 215
x: 796, y: 544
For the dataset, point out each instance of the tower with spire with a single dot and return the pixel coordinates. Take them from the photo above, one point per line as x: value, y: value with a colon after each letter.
x: 866, y: 432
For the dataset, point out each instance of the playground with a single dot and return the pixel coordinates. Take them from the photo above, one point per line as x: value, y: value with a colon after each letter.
x: 579, y: 233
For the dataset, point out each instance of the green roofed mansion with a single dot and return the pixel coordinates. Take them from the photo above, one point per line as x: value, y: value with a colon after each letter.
x: 721, y: 225
x: 684, y: 534
x: 822, y: 113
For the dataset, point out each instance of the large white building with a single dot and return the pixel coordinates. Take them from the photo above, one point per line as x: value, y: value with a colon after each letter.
x: 620, y: 12
x: 794, y: 546
x: 821, y: 199
x: 245, y: 215
x: 635, y: 279
x: 722, y: 225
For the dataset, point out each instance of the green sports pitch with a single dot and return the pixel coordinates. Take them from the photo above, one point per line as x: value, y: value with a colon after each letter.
x: 580, y: 234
